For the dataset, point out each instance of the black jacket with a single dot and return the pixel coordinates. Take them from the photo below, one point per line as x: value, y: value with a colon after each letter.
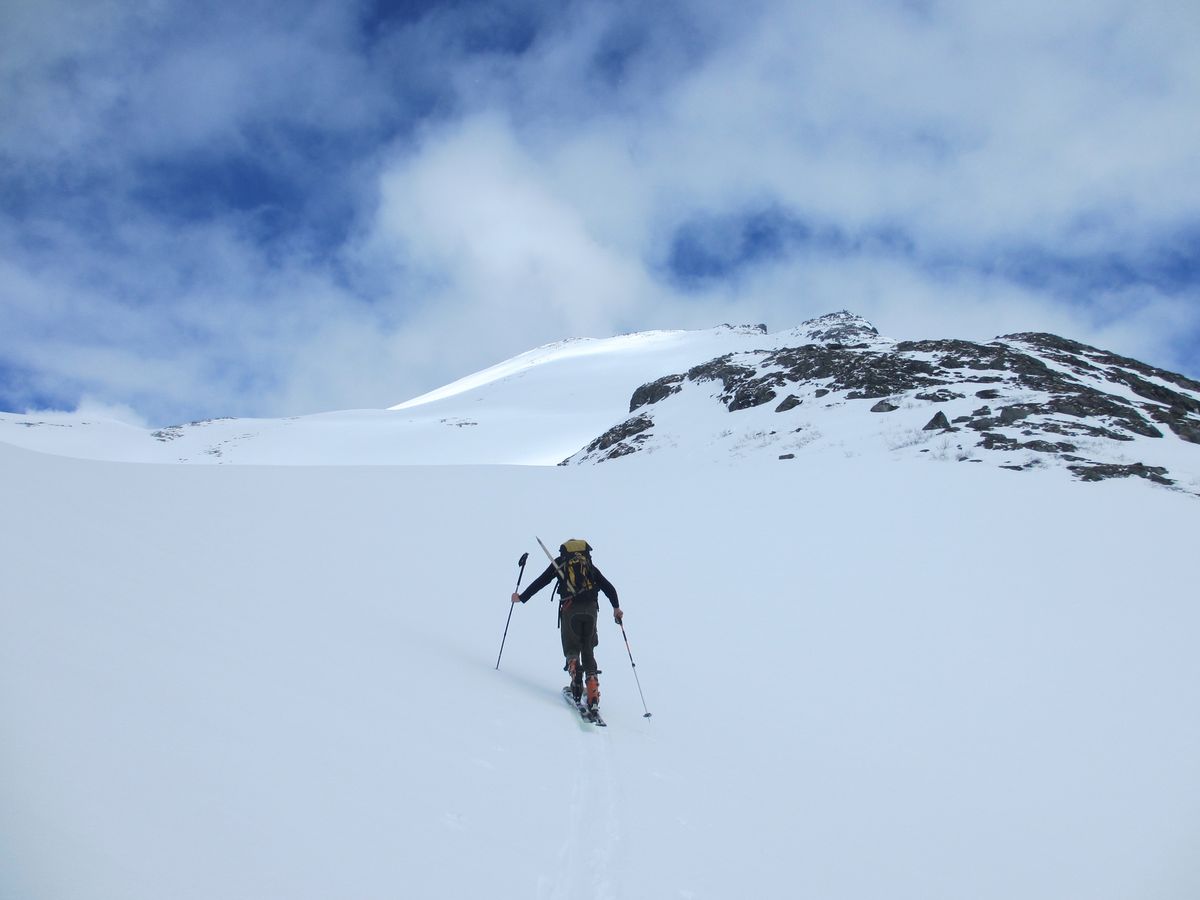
x: 593, y: 596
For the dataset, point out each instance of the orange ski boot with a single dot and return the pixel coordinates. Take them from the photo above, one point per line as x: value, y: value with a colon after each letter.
x: 576, y: 679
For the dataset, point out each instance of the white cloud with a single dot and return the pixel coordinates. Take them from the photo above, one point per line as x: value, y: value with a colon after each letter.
x: 540, y: 194
x: 118, y: 412
x: 970, y: 134
x: 498, y: 252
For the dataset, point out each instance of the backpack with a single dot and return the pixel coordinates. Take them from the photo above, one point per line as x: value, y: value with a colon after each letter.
x: 576, y: 565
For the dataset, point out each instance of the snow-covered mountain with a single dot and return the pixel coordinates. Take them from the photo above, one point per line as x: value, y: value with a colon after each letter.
x: 1021, y: 401
x: 535, y: 409
x: 832, y: 386
x: 882, y: 673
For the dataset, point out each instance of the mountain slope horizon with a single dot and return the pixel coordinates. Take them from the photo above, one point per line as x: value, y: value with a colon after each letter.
x: 731, y: 393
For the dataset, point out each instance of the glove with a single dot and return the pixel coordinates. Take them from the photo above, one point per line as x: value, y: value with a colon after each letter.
x: 618, y: 615
x: 516, y: 598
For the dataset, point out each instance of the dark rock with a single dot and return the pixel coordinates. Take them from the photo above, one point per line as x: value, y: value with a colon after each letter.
x: 655, y: 391
x: 621, y: 440
x: 742, y: 390
x: 1108, y: 364
x: 883, y: 407
x: 865, y: 374
x: 989, y: 394
x: 992, y: 441
x: 1155, y: 392
x: 1047, y: 447
x: 1101, y: 471
x: 1089, y: 403
x: 721, y: 369
x: 750, y: 396
x: 983, y: 424
x: 1084, y: 429
x: 1176, y: 418
x: 789, y: 402
x: 940, y: 396
x: 1067, y: 408
x: 938, y: 422
x: 1010, y: 415
x: 787, y: 456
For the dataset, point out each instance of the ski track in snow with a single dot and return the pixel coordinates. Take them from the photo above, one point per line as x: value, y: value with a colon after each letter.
x: 591, y: 832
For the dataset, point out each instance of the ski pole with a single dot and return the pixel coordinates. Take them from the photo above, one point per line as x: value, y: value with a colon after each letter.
x: 521, y: 563
x: 635, y: 674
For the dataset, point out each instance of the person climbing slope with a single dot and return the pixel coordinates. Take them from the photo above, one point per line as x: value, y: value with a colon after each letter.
x: 579, y: 588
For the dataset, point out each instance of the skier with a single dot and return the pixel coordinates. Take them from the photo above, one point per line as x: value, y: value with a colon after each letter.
x: 579, y: 587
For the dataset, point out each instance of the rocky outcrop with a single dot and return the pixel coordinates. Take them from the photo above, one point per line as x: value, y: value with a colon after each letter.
x: 791, y: 401
x: 1100, y: 472
x: 844, y: 329
x: 938, y: 422
x: 620, y: 441
x: 1045, y: 398
x: 655, y: 391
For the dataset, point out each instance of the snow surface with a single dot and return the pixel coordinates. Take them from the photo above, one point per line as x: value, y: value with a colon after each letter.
x: 535, y: 409
x: 872, y: 673
x: 869, y: 678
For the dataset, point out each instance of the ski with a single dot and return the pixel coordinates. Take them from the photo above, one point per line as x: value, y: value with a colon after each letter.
x: 570, y: 698
x: 588, y: 715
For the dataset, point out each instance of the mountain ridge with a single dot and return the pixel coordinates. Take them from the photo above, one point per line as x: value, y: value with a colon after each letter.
x: 732, y: 393
x: 1046, y: 399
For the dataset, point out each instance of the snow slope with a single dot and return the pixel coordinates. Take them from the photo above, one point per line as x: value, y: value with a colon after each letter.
x: 535, y: 409
x: 869, y: 678
x: 726, y: 395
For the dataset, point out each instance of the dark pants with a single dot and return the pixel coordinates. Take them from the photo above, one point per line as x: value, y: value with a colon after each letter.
x: 577, y: 625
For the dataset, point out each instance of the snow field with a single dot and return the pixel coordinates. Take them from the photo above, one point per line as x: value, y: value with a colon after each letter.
x: 867, y: 680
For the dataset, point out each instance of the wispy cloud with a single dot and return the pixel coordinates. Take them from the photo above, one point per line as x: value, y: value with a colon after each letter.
x: 255, y: 209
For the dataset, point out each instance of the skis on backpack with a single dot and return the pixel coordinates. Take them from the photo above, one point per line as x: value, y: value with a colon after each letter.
x: 588, y: 715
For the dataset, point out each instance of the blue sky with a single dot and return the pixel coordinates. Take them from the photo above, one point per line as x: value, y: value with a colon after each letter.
x: 273, y: 209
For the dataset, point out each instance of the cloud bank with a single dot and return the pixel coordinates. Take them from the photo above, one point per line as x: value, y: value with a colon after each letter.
x: 250, y: 210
